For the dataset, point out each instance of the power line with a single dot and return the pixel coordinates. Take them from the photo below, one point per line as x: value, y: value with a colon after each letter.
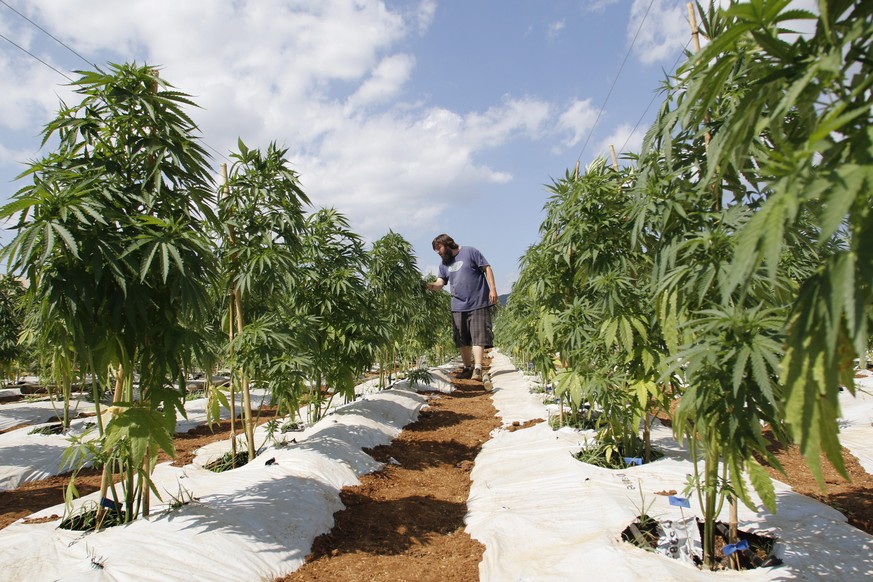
x: 21, y: 48
x: 615, y: 80
x: 67, y: 77
x: 50, y: 35
x: 654, y: 96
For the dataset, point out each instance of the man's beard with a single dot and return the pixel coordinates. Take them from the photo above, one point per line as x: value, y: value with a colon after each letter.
x: 447, y: 256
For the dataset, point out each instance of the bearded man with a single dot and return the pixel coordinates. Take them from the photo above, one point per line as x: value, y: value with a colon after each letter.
x: 471, y: 282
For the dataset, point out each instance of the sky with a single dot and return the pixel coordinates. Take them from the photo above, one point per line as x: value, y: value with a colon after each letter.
x: 417, y: 116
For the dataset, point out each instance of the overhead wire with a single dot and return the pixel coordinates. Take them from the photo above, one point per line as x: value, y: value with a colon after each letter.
x: 67, y: 77
x: 53, y: 37
x: 654, y: 96
x: 21, y: 48
x: 615, y: 80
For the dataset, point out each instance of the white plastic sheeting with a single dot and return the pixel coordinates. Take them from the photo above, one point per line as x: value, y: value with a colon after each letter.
x: 26, y: 457
x: 856, y: 420
x: 542, y: 515
x: 250, y: 523
x: 38, y: 411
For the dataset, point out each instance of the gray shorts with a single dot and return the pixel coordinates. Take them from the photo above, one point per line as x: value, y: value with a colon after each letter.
x: 473, y: 328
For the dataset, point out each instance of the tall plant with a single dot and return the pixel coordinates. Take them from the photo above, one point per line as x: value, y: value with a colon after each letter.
x: 344, y: 331
x: 110, y: 237
x: 700, y: 191
x: 798, y: 129
x: 583, y: 287
x: 261, y: 218
x: 395, y: 284
x: 11, y: 323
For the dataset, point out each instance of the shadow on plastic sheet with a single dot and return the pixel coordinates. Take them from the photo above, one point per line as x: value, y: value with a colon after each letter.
x: 28, y: 414
x: 495, y: 374
x: 277, y: 513
x: 822, y: 548
x: 390, y: 414
x: 28, y: 458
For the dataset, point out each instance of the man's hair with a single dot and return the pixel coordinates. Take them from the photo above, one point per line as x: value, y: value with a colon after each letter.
x: 444, y: 240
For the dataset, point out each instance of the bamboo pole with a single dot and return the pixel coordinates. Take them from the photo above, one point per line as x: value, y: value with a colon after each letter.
x: 695, y: 40
x: 707, y: 137
x: 614, y: 158
x: 248, y: 422
x: 106, y: 477
x: 695, y: 31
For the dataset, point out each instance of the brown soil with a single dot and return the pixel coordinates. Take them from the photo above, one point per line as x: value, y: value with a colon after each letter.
x: 406, y: 521
x: 852, y: 497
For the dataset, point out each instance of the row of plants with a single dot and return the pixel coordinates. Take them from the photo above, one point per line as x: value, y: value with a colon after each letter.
x: 724, y: 276
x: 139, y: 270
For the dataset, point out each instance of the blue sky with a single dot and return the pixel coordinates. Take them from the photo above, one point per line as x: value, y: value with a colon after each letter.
x: 422, y: 117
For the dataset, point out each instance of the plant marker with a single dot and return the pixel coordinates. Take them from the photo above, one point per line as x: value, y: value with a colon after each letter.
x: 729, y: 549
x: 681, y: 502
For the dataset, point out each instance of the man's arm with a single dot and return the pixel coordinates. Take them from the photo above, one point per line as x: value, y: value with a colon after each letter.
x: 436, y: 285
x: 492, y: 286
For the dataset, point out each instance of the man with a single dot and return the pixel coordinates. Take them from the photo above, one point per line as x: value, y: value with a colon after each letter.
x: 471, y: 282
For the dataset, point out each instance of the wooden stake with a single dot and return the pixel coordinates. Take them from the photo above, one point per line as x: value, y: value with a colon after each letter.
x: 695, y: 32
x: 614, y: 158
x: 695, y: 38
x: 576, y: 173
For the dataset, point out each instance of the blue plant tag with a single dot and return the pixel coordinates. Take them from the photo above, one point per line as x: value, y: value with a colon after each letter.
x: 731, y: 548
x: 107, y: 503
x: 633, y: 461
x: 679, y: 501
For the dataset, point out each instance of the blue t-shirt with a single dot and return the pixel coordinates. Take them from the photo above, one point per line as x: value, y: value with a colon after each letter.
x: 466, y: 280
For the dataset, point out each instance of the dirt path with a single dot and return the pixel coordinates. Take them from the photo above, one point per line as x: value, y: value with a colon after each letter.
x: 406, y: 522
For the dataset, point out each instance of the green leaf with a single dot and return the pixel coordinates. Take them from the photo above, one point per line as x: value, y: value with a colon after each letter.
x: 762, y: 483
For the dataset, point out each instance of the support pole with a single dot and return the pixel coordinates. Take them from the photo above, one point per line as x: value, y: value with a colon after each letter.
x: 230, y: 332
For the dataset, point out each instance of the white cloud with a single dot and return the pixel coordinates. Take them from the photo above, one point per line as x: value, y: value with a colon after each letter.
x: 391, y: 170
x: 664, y: 31
x: 425, y: 15
x: 597, y: 5
x: 555, y: 28
x: 15, y: 158
x: 500, y: 123
x: 321, y: 77
x: 577, y: 120
x: 624, y: 139
x: 385, y: 81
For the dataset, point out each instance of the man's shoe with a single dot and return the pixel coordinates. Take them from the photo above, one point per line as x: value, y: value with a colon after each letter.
x: 464, y: 374
x: 477, y: 374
